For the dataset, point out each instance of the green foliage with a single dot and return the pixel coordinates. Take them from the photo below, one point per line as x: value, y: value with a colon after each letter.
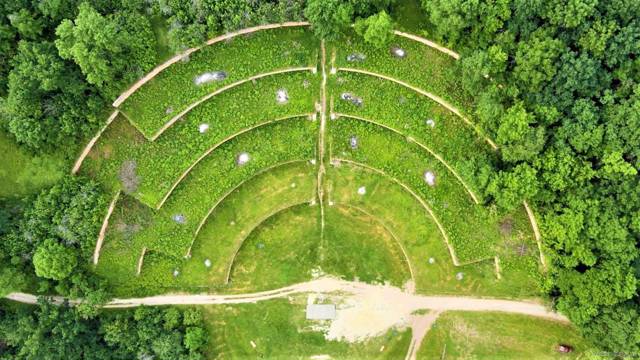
x: 571, y: 89
x: 112, y: 50
x: 510, y: 188
x: 52, y: 332
x: 520, y: 140
x: 329, y: 18
x: 53, y: 260
x: 70, y: 213
x: 377, y: 29
x: 192, y: 24
x: 48, y: 101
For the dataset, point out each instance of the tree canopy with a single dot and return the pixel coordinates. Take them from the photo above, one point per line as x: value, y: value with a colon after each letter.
x: 557, y: 85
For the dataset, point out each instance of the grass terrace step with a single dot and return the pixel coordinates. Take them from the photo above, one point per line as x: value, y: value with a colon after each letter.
x: 160, y: 163
x: 173, y: 89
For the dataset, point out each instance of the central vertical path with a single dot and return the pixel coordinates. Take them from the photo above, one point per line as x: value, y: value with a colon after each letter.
x: 321, y: 168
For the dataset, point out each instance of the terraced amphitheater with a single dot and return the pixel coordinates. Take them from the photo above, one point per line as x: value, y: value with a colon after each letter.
x: 269, y: 164
x: 268, y: 173
x: 311, y: 158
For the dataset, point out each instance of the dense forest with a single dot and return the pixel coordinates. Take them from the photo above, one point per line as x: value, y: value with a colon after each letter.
x: 556, y: 83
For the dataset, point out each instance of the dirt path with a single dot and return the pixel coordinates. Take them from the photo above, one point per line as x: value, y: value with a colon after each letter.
x: 429, y: 43
x: 103, y: 229
x: 321, y: 147
x: 420, y: 326
x: 394, y: 296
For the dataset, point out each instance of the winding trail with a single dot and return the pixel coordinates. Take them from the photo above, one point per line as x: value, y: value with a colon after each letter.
x: 396, y: 296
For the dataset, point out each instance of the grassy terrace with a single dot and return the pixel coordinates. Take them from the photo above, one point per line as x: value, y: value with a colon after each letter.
x: 467, y: 335
x: 423, y: 67
x: 222, y: 234
x: 215, y: 176
x: 279, y: 330
x: 173, y: 90
x: 410, y: 223
x: 160, y: 163
x: 472, y: 229
x: 407, y: 112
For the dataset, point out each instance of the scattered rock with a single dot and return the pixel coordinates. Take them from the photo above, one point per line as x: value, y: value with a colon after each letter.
x: 210, y: 77
x: 312, y: 161
x: 176, y: 273
x: 430, y: 178
x: 169, y: 110
x: 353, y: 142
x: 260, y: 245
x: 207, y: 263
x: 179, y: 218
x: 431, y: 123
x: 459, y: 276
x: 293, y: 185
x: 305, y: 83
x: 282, y: 97
x: 356, y: 57
x: 203, y: 128
x: 432, y: 260
x: 243, y: 158
x: 362, y: 190
x: 357, y: 101
x: 398, y: 52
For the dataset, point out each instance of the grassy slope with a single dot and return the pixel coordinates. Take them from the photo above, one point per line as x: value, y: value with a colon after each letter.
x: 161, y: 162
x: 423, y: 67
x: 472, y: 229
x: 407, y: 112
x: 286, y: 248
x: 420, y: 237
x: 240, y: 58
x: 280, y: 331
x: 22, y: 173
x: 494, y: 336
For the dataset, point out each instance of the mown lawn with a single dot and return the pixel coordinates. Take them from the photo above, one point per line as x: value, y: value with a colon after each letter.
x: 279, y: 330
x: 23, y: 173
x: 488, y: 335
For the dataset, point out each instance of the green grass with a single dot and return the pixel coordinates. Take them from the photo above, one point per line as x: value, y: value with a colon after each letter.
x: 423, y: 67
x: 218, y: 240
x: 280, y: 331
x: 161, y: 162
x: 472, y: 228
x: 358, y: 247
x: 240, y: 58
x: 287, y: 248
x: 216, y: 175
x: 281, y: 251
x: 23, y: 173
x: 407, y: 112
x: 406, y: 218
x: 467, y: 335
